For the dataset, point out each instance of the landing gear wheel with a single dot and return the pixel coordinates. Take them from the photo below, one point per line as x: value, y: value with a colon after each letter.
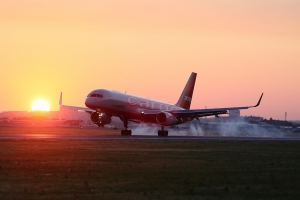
x: 163, y: 133
x: 126, y: 132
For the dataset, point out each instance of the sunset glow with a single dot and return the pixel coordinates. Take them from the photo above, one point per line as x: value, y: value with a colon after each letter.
x: 149, y: 48
x: 40, y: 105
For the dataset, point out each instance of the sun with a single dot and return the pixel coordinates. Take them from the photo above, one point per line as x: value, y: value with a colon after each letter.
x: 40, y: 105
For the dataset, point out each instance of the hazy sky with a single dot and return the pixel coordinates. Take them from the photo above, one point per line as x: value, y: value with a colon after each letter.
x: 149, y: 48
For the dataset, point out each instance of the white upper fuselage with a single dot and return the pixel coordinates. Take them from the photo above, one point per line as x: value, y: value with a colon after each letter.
x: 122, y: 104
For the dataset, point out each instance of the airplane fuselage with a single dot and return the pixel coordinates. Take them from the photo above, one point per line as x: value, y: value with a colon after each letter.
x: 127, y: 105
x: 102, y: 104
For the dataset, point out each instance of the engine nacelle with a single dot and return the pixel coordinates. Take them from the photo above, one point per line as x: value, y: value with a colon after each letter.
x: 100, y: 118
x: 166, y: 119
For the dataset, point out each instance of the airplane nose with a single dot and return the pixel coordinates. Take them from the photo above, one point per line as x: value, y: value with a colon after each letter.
x: 88, y: 102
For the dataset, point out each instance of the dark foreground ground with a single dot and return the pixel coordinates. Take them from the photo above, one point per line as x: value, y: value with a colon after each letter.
x: 143, y: 169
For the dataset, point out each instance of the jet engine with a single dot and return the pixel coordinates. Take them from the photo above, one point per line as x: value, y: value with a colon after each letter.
x: 100, y: 118
x: 166, y: 119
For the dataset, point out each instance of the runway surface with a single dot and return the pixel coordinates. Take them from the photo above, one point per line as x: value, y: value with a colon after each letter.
x: 140, y: 137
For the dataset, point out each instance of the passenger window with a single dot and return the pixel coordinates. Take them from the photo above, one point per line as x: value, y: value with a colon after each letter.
x: 96, y: 95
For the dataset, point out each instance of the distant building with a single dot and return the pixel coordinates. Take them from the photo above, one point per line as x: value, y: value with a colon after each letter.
x: 52, y: 118
x: 14, y: 114
x: 254, y: 119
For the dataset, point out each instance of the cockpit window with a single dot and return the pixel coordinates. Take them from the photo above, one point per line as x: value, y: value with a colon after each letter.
x: 97, y: 95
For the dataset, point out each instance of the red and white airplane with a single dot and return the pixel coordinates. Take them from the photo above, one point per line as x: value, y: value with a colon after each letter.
x: 102, y: 104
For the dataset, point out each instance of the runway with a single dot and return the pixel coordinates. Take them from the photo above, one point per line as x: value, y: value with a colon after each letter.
x: 140, y: 137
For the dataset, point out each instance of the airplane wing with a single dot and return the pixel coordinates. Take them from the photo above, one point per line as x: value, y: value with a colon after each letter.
x: 78, y: 108
x: 195, y: 113
x: 209, y: 112
x: 74, y: 107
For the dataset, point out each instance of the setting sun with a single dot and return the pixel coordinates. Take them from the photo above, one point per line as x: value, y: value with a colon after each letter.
x: 40, y: 105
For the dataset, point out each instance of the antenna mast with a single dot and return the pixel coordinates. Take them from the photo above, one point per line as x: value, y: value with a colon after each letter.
x: 285, y: 116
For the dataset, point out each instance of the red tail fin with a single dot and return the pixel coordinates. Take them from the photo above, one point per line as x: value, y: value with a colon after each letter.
x: 187, y: 93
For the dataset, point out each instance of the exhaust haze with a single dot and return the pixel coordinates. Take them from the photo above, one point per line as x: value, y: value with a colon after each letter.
x: 236, y: 128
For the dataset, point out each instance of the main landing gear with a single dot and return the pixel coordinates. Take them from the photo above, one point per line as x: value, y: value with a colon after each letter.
x: 163, y: 132
x: 126, y: 131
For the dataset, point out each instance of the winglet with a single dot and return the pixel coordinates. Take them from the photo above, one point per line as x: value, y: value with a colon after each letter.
x: 60, y: 99
x: 259, y: 100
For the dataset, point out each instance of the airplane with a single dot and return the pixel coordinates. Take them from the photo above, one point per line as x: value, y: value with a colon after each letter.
x: 103, y: 104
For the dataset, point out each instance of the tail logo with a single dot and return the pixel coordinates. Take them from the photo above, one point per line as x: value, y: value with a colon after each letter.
x: 186, y: 98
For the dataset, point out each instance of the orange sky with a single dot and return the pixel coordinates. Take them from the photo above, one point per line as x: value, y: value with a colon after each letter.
x: 149, y: 48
